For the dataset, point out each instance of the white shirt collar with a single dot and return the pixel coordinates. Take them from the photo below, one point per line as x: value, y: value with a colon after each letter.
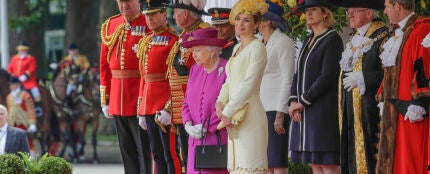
x: 4, y: 128
x: 402, y: 23
x: 363, y: 29
x: 22, y: 56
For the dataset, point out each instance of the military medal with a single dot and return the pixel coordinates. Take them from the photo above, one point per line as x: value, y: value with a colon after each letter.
x: 134, y: 48
x: 157, y: 39
x: 133, y: 31
x: 166, y: 42
x: 140, y: 31
x: 181, y: 61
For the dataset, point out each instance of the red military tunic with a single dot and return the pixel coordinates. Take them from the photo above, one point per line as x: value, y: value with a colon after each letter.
x: 119, y: 66
x: 153, y: 51
x: 402, y: 147
x: 178, y: 69
x: 26, y: 66
x: 80, y: 60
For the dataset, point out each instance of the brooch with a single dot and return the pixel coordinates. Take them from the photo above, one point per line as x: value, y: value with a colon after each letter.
x: 220, y: 70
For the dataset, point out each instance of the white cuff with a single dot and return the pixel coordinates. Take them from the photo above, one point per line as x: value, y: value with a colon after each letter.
x: 304, y: 100
x: 426, y: 41
x: 417, y: 109
x: 360, y: 83
x: 292, y: 97
x: 23, y: 78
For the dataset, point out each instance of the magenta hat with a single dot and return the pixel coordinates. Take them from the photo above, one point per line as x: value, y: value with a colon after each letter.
x: 206, y: 36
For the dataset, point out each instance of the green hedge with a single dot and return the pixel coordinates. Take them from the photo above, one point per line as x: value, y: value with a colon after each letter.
x: 13, y: 164
x: 297, y: 168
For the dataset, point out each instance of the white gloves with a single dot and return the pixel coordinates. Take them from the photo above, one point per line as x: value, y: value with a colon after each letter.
x: 195, y: 131
x: 426, y: 41
x: 70, y: 88
x: 105, y: 109
x: 415, y: 113
x: 53, y: 66
x: 164, y: 117
x: 381, y: 108
x: 22, y: 78
x: 354, y: 79
x: 142, y: 122
x: 32, y: 128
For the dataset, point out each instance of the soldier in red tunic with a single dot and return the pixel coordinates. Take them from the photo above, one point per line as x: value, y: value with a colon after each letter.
x: 119, y: 82
x: 188, y: 17
x: 405, y: 92
x: 23, y: 66
x: 154, y: 91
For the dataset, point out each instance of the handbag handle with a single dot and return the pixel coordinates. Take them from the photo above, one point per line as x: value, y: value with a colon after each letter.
x: 207, y: 121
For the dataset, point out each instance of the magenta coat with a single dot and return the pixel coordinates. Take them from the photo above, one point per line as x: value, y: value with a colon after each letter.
x: 199, y: 104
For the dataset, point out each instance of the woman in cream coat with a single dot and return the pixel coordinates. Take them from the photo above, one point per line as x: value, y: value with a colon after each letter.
x: 276, y: 85
x: 247, y: 141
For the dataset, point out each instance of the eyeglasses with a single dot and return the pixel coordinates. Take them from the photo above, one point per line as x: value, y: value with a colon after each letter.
x: 354, y: 12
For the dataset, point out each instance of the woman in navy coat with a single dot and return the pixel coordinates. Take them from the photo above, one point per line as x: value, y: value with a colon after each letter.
x: 312, y: 104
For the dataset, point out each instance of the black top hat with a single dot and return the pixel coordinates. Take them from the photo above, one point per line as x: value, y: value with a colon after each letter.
x: 186, y: 4
x: 14, y: 79
x: 316, y: 3
x: 73, y: 46
x: 274, y: 14
x: 373, y: 4
x: 219, y: 15
x: 152, y: 6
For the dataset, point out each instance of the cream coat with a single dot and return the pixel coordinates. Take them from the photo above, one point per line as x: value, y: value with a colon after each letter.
x: 279, y: 72
x: 247, y: 143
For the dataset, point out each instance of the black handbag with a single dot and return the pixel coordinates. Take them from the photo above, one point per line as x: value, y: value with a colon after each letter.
x: 209, y: 157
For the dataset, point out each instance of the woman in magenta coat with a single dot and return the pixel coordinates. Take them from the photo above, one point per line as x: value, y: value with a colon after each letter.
x: 206, y: 79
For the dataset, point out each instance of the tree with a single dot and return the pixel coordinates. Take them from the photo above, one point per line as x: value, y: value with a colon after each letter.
x: 27, y: 24
x: 107, y: 9
x: 81, y: 20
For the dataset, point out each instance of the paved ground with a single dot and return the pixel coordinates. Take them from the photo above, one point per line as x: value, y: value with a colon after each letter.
x: 98, y: 169
x: 109, y: 156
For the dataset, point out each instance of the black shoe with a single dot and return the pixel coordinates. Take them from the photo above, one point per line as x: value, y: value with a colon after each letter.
x: 39, y: 110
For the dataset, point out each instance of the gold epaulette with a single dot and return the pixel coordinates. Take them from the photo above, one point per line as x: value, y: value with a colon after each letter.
x: 173, y: 52
x: 171, y: 31
x: 110, y: 40
x: 376, y: 26
x: 205, y: 25
x: 142, y: 49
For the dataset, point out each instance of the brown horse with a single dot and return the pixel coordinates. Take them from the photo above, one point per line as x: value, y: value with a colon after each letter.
x: 43, y: 122
x: 4, y: 87
x: 77, y: 106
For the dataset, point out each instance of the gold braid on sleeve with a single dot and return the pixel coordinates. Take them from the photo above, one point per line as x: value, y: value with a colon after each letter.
x: 110, y: 40
x: 168, y: 106
x: 139, y: 102
x: 103, y: 96
x: 171, y: 57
